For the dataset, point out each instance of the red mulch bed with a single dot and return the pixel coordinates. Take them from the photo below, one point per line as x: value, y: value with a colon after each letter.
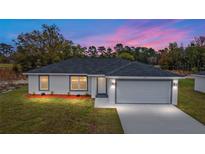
x: 57, y: 96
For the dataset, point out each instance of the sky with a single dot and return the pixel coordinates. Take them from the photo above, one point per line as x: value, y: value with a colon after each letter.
x: 152, y: 33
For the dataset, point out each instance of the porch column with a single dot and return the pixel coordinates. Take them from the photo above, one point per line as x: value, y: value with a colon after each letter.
x: 111, y: 90
x: 93, y: 86
x: 174, y: 92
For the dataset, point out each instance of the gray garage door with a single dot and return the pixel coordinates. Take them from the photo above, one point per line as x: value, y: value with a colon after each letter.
x: 139, y: 91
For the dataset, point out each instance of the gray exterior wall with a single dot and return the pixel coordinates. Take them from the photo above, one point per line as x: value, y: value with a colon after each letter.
x: 199, y: 84
x: 58, y: 84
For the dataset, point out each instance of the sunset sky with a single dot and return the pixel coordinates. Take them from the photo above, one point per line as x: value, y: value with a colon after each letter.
x: 149, y: 33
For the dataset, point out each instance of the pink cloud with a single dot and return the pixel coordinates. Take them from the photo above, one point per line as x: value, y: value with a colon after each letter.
x: 157, y: 36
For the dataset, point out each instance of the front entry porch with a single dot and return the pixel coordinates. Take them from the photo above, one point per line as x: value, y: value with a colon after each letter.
x: 101, y: 95
x: 101, y: 88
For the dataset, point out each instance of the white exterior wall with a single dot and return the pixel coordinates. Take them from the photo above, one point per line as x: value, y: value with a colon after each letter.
x: 33, y: 85
x: 111, y: 90
x: 93, y: 86
x: 199, y: 84
x: 58, y: 84
x: 174, y: 92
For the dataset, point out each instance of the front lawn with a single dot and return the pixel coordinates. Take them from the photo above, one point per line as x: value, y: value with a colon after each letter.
x: 19, y: 114
x: 191, y: 102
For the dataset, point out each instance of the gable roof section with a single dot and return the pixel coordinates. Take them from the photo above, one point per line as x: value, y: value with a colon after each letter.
x: 106, y: 66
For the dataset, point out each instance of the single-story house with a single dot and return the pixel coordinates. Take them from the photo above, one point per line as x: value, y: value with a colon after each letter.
x: 112, y: 79
x: 199, y: 84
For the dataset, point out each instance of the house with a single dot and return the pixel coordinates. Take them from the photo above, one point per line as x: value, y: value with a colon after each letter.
x: 199, y: 84
x: 111, y: 79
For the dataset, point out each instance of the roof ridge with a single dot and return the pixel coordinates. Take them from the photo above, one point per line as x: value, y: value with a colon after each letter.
x: 117, y: 69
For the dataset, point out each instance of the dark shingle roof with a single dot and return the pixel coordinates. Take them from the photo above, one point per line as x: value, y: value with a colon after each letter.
x: 83, y: 65
x: 107, y: 66
x: 140, y: 69
x: 201, y: 73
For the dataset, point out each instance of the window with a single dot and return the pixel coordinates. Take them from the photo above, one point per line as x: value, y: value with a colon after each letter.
x: 78, y: 82
x: 43, y: 82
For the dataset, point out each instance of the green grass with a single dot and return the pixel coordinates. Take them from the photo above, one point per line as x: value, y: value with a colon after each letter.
x: 190, y: 101
x: 6, y: 65
x: 19, y: 114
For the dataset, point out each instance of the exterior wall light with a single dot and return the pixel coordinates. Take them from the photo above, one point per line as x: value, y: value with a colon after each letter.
x: 175, y: 83
x: 113, y: 82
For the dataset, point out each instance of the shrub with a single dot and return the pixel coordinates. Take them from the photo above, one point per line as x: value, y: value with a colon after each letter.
x: 194, y: 69
x: 17, y: 68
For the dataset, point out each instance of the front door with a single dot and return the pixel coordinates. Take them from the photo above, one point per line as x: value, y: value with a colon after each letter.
x: 101, y: 85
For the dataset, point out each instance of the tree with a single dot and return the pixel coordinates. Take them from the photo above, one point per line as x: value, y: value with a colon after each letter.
x: 127, y: 49
x: 6, y: 51
x: 163, y: 60
x: 77, y: 51
x: 171, y: 57
x: 101, y: 51
x: 195, y: 57
x: 145, y: 55
x: 189, y: 58
x: 127, y: 56
x: 39, y: 48
x: 118, y: 47
x: 109, y: 52
x: 199, y: 41
x: 92, y: 51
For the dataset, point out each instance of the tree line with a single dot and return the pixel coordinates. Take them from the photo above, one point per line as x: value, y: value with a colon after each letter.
x: 46, y: 46
x: 191, y: 58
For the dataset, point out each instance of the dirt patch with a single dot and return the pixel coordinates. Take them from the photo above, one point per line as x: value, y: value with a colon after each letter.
x: 6, y: 86
x: 10, y: 80
x: 10, y: 75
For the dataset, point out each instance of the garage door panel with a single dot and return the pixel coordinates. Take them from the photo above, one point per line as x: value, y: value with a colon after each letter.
x: 129, y: 91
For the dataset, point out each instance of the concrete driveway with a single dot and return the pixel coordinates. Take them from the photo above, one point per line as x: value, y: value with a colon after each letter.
x: 157, y: 119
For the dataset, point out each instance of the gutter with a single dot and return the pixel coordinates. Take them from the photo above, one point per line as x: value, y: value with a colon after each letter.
x: 197, y: 75
x: 59, y: 74
x: 143, y: 77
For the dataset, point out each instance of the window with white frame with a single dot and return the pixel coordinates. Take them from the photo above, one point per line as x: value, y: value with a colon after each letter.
x: 78, y: 83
